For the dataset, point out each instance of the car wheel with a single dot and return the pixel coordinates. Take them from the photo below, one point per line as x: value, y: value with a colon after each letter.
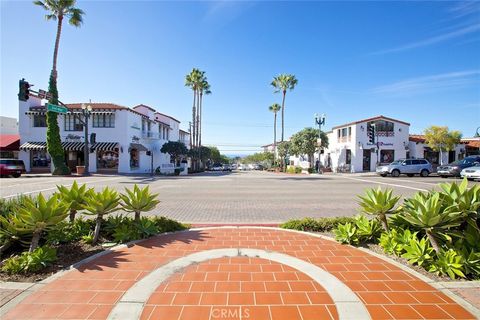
x: 16, y: 175
x: 470, y: 179
x: 424, y: 173
x: 395, y: 173
x: 410, y: 175
x: 443, y: 177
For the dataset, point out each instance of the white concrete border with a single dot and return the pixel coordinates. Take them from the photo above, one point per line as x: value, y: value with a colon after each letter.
x: 348, y: 305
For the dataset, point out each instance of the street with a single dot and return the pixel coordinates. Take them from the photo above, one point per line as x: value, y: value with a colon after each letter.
x: 239, y: 197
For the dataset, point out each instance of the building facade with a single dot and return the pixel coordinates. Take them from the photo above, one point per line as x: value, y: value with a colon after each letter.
x: 350, y: 150
x: 125, y: 140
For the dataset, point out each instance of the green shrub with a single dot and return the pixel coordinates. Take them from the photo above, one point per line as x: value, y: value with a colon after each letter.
x: 291, y: 169
x: 65, y: 232
x: 138, y: 200
x: 379, y: 204
x: 74, y: 196
x: 419, y: 252
x: 346, y: 233
x: 33, y: 261
x: 448, y: 263
x: 165, y: 224
x: 298, y: 169
x: 125, y: 233
x: 146, y: 228
x: 367, y: 230
x: 10, y: 206
x: 315, y: 225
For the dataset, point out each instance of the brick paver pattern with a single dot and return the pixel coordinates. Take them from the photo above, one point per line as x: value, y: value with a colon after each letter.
x: 201, y: 291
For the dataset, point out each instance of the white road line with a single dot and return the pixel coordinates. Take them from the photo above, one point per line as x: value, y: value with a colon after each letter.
x: 53, y: 188
x: 419, y: 182
x: 383, y: 183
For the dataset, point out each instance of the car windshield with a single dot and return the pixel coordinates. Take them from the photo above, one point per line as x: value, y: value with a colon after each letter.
x: 466, y: 161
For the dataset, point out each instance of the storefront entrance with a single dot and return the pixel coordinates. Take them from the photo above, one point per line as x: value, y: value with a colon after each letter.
x: 367, y: 159
x: 107, y: 161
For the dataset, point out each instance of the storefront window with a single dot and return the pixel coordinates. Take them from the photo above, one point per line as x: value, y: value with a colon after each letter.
x: 387, y: 156
x: 107, y: 160
x: 134, y: 158
x: 348, y: 156
x: 431, y: 156
x: 40, y: 121
x: 40, y: 158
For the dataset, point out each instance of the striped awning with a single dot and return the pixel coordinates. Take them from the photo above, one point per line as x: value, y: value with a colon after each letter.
x: 33, y: 146
x: 73, y: 146
x: 105, y: 146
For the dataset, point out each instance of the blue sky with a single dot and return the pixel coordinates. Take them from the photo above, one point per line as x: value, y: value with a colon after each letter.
x: 415, y: 61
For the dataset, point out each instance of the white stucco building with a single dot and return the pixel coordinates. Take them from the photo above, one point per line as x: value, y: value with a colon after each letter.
x: 127, y: 140
x: 350, y: 150
x: 8, y: 125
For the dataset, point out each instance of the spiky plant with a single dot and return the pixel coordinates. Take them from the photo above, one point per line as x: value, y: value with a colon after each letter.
x: 138, y: 201
x: 100, y: 204
x: 74, y: 196
x: 40, y: 215
x: 379, y: 203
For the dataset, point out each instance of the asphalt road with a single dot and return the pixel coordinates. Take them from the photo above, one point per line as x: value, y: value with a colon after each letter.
x: 239, y: 197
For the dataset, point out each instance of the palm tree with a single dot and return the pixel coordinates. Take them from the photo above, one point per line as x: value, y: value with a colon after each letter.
x: 58, y: 10
x: 274, y: 108
x: 204, y: 88
x: 284, y: 82
x: 192, y: 80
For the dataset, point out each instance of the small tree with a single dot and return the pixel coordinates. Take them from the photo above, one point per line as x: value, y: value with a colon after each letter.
x: 74, y: 196
x: 39, y: 215
x: 138, y: 201
x: 100, y: 204
x: 283, y: 150
x: 305, y: 142
x: 175, y: 150
x: 441, y: 139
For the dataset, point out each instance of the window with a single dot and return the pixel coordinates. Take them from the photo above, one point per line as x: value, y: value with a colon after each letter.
x: 134, y: 158
x: 387, y: 156
x: 103, y: 120
x: 417, y: 162
x: 39, y: 158
x: 143, y: 125
x: 40, y: 121
x: 72, y: 123
x: 409, y: 162
x: 383, y: 128
x: 348, y: 156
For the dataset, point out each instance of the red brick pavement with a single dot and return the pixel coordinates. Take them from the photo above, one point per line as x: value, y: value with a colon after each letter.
x: 229, y: 288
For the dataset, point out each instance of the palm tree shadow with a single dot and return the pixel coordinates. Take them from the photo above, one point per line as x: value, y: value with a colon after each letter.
x: 114, y: 258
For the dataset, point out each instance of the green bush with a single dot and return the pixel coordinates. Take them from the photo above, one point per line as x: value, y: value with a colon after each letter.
x: 165, y: 224
x: 448, y: 263
x: 33, y: 261
x: 346, y: 233
x: 10, y: 206
x: 65, y: 232
x: 298, y: 169
x: 367, y: 230
x: 419, y: 252
x: 315, y: 225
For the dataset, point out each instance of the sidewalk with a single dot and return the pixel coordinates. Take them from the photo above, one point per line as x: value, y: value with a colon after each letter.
x: 239, y: 273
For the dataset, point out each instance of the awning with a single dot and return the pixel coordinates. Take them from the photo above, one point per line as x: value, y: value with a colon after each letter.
x: 68, y: 146
x: 30, y: 113
x: 9, y: 142
x: 105, y: 146
x: 138, y: 146
x: 73, y: 146
x: 34, y: 146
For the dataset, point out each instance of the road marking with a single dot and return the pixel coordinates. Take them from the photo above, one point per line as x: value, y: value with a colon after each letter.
x: 384, y: 183
x: 53, y: 188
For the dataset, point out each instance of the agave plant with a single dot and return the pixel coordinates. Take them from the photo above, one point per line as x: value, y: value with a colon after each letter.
x: 465, y: 199
x: 100, y: 204
x: 9, y: 232
x: 138, y: 201
x: 431, y: 216
x: 39, y: 215
x: 418, y: 252
x: 379, y: 203
x: 448, y: 263
x: 75, y: 196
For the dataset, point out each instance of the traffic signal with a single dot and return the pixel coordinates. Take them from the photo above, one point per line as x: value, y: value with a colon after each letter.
x: 93, y: 138
x: 24, y: 90
x: 371, y: 134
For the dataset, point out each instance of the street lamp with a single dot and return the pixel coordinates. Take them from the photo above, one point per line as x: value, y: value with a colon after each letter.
x: 320, y: 121
x: 86, y: 111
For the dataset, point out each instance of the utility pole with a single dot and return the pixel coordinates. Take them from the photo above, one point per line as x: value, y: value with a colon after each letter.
x: 86, y: 111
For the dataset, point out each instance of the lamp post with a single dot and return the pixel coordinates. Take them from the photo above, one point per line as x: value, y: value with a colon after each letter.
x: 320, y: 121
x: 86, y: 111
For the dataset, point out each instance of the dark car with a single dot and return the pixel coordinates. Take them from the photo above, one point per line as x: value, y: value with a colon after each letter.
x: 11, y: 167
x: 453, y: 169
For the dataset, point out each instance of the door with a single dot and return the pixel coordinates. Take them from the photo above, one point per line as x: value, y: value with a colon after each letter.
x: 367, y: 159
x: 451, y: 156
x: 408, y: 167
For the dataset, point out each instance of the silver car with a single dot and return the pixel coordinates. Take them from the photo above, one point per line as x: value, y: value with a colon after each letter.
x: 471, y: 173
x: 409, y: 167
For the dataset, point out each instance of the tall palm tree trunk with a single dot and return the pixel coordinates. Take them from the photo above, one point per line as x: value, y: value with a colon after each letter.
x: 200, y: 127
x: 57, y: 44
x: 283, y: 114
x: 274, y: 137
x: 194, y: 112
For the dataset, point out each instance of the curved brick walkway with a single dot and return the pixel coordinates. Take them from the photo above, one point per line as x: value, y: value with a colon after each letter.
x: 238, y: 287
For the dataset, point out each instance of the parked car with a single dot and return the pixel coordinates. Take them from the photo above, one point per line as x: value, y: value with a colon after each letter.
x: 453, y: 169
x: 11, y: 167
x: 226, y: 167
x: 471, y: 173
x: 217, y: 167
x: 409, y: 167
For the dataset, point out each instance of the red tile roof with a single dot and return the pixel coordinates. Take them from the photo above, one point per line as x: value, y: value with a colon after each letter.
x: 417, y: 138
x: 371, y: 119
x: 96, y: 105
x: 9, y: 142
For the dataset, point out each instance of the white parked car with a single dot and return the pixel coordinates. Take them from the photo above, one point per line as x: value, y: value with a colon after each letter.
x: 471, y: 173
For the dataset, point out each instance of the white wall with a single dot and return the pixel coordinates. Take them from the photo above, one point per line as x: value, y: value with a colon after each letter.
x: 8, y: 125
